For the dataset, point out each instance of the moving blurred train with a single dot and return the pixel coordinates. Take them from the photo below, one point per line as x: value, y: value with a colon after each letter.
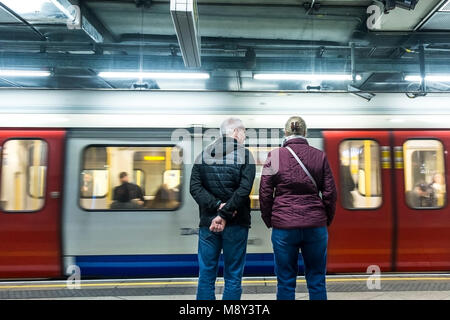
x: 57, y: 179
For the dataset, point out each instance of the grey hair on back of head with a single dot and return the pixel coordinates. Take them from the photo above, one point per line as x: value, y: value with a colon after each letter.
x: 228, y: 125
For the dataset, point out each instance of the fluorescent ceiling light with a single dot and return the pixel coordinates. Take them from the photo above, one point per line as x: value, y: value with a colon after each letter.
x: 413, y: 78
x: 154, y: 75
x: 307, y: 77
x: 24, y: 73
x: 431, y: 78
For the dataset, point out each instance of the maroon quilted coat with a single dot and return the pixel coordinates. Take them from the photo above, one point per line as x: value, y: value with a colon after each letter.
x: 296, y: 203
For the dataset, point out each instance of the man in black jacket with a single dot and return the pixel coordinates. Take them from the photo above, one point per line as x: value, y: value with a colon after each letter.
x: 127, y: 192
x: 221, y: 182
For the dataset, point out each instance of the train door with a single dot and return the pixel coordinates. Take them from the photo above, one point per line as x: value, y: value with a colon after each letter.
x: 30, y: 203
x: 423, y: 223
x: 361, y: 234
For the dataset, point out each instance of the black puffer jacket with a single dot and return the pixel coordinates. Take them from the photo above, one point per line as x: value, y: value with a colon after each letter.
x: 223, y: 173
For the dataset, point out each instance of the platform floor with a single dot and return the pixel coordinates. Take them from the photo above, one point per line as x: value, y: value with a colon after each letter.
x: 341, y: 287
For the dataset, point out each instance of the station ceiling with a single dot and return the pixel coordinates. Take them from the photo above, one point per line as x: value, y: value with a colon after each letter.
x: 239, y: 39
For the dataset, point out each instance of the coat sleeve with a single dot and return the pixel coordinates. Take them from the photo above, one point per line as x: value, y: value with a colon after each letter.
x: 266, y: 189
x: 329, y: 193
x: 241, y: 194
x: 202, y: 196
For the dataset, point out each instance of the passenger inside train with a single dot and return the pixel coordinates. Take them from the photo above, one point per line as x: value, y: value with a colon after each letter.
x: 425, y: 168
x: 154, y: 176
x: 127, y: 195
x: 87, y: 190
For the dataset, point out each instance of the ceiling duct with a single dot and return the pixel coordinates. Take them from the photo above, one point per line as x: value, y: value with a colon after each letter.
x: 404, y: 4
x: 185, y: 19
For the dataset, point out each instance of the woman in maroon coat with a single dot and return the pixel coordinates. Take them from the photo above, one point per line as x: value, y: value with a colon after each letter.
x: 299, y: 211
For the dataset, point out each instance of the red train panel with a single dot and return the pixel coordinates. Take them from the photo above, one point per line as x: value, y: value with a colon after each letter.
x: 359, y: 237
x: 423, y: 237
x: 409, y: 230
x: 30, y: 240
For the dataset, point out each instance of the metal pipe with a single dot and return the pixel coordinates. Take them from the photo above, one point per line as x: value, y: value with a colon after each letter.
x: 353, y: 62
x: 422, y: 68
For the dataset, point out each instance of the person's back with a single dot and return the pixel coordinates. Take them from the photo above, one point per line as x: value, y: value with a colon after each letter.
x: 124, y: 194
x: 297, y: 203
x: 219, y: 167
x: 303, y: 205
x: 135, y: 191
x: 221, y: 182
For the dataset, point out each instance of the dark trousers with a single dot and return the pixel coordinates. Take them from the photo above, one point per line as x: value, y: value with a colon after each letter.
x: 233, y: 241
x: 313, y: 245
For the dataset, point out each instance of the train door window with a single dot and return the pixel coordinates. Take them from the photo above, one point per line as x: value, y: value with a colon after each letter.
x: 23, y: 175
x: 424, y: 171
x: 260, y: 156
x: 360, y: 174
x: 154, y: 178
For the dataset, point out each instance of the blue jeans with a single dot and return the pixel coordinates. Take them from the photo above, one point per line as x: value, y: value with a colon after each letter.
x: 313, y: 245
x: 233, y: 241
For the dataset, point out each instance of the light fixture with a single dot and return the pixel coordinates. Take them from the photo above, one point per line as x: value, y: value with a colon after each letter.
x: 154, y: 158
x: 431, y: 78
x: 304, y: 76
x: 413, y: 78
x: 185, y: 20
x: 24, y: 73
x: 153, y: 75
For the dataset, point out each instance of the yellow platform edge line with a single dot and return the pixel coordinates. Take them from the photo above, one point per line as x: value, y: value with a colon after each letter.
x: 131, y: 284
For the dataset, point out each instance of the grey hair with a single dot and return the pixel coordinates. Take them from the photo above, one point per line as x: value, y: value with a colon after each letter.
x: 227, y: 127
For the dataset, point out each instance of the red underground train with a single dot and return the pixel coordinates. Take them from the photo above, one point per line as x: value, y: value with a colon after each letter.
x: 392, y: 208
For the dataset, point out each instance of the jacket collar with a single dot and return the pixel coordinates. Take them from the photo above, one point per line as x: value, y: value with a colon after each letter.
x: 222, y: 146
x: 295, y: 139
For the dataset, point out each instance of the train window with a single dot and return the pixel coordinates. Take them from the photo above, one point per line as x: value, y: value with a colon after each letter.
x: 260, y: 156
x: 94, y: 183
x: 360, y: 174
x: 154, y: 179
x: 24, y: 172
x: 424, y: 174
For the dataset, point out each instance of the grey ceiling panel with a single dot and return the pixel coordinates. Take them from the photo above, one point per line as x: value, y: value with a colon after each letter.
x: 257, y: 22
x: 439, y: 21
x: 6, y: 17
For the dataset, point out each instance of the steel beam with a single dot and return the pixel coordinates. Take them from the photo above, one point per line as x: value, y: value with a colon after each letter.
x: 211, y: 63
